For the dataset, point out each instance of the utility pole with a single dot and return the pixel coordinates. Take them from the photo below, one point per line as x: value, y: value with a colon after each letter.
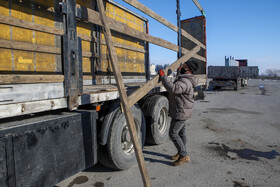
x: 178, y: 12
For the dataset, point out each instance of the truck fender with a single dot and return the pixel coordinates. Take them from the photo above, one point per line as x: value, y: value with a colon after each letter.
x: 103, y: 136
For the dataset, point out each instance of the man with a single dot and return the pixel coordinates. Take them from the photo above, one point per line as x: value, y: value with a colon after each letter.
x: 181, y: 104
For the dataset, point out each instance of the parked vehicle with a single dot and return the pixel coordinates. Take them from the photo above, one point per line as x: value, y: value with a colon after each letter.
x: 231, y: 76
x: 197, y: 27
x: 59, y: 105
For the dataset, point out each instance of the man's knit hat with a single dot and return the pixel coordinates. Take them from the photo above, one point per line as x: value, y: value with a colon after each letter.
x: 193, y: 65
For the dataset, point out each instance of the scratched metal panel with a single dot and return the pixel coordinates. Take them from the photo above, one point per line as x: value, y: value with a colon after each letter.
x: 249, y: 71
x: 50, y: 152
x: 226, y: 72
x: 197, y: 28
x: 3, y: 163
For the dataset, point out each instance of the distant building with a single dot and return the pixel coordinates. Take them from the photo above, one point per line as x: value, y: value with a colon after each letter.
x: 231, y: 62
x: 242, y: 62
x: 153, y: 70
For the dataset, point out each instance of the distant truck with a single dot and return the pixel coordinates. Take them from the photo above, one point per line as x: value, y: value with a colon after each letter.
x: 231, y: 76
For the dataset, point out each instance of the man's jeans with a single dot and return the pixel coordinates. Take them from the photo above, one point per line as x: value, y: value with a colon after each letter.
x: 177, y: 133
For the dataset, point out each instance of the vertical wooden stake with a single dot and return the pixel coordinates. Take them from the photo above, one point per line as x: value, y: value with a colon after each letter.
x: 123, y: 96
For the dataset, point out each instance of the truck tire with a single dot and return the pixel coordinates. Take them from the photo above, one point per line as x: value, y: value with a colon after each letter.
x: 119, y: 153
x: 155, y: 109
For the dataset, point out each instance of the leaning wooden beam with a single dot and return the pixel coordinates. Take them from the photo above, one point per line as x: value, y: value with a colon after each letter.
x: 199, y: 7
x: 157, y: 17
x: 94, y: 17
x: 123, y: 96
x: 142, y: 91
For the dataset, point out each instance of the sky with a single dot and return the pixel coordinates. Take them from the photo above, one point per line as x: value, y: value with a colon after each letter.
x: 243, y: 29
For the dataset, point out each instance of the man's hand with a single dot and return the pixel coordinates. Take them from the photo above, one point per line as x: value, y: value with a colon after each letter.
x: 161, y: 73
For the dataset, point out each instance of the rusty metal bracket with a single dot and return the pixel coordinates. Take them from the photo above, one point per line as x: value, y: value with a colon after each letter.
x: 72, y: 54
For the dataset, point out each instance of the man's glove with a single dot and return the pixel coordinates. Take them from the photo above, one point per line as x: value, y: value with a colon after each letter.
x: 161, y: 73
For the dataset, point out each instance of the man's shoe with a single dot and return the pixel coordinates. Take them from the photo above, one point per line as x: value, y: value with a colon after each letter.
x: 181, y: 161
x: 175, y: 157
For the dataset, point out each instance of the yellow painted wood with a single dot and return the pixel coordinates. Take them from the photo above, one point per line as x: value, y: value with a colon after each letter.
x: 120, y: 19
x: 84, y: 28
x: 138, y: 21
x: 4, y: 8
x: 24, y: 61
x: 5, y: 32
x: 22, y: 35
x: 128, y: 59
x: 86, y: 65
x: 23, y: 13
x: 121, y: 13
x: 46, y: 19
x: 86, y: 46
x: 5, y: 60
x: 110, y: 8
x: 139, y: 28
x: 44, y: 39
x: 130, y: 17
x: 130, y: 24
x: 45, y: 62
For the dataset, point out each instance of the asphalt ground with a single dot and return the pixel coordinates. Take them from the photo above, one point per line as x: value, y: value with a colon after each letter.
x: 233, y: 140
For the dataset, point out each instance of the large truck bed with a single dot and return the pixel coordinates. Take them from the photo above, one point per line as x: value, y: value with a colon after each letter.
x: 92, y: 94
x: 33, y: 56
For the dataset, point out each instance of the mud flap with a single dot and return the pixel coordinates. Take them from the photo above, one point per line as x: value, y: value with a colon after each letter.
x: 46, y: 150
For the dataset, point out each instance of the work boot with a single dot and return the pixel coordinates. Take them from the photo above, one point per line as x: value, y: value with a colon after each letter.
x: 175, y: 157
x: 181, y: 160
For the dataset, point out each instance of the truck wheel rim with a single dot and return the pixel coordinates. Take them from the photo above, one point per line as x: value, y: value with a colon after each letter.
x: 162, y: 120
x: 126, y: 140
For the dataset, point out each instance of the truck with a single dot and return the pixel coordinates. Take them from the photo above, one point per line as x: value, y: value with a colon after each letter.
x: 231, y: 76
x: 197, y: 27
x: 60, y: 110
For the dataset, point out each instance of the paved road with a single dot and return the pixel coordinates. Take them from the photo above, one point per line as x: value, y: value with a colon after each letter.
x: 233, y: 140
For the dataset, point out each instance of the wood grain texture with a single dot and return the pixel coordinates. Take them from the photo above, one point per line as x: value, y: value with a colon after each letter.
x: 160, y: 19
x: 141, y: 92
x: 29, y: 25
x: 94, y: 17
x: 23, y: 79
x: 123, y: 96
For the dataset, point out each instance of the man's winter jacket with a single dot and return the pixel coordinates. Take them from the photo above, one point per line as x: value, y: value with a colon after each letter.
x: 181, y: 100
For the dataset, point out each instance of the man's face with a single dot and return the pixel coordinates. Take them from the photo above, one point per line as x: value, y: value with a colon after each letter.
x: 185, y: 66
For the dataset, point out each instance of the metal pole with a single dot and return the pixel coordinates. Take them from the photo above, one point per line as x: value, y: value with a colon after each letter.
x: 178, y: 12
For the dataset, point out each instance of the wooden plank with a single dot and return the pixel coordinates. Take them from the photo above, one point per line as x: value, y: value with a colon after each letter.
x: 37, y: 48
x: 23, y: 79
x: 157, y: 17
x: 124, y: 46
x: 86, y: 38
x: 123, y: 96
x: 199, y: 7
x: 29, y: 25
x: 141, y: 92
x: 29, y: 47
x: 94, y: 17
